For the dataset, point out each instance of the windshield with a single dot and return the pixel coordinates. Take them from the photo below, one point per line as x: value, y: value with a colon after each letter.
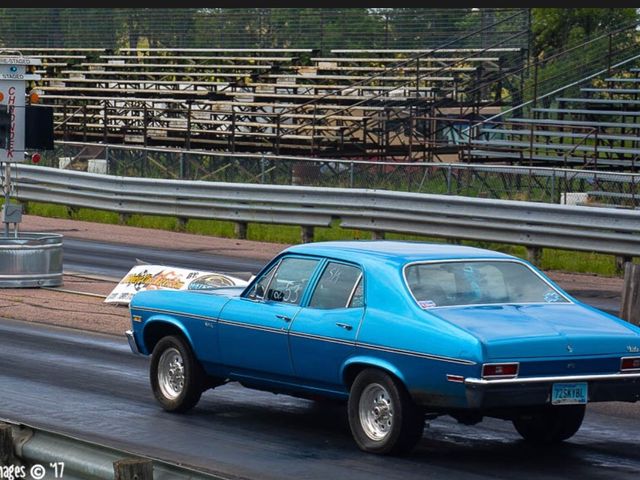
x: 477, y: 283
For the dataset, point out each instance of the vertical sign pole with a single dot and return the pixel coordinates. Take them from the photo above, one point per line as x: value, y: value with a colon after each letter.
x: 7, y: 192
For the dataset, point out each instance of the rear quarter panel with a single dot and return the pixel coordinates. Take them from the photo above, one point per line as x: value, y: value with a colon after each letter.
x: 420, y: 349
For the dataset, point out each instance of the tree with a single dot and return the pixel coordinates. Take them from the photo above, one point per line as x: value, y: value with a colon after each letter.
x: 558, y: 28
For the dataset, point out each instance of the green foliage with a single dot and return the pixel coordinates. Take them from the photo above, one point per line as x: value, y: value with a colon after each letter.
x: 315, y: 28
x: 559, y: 28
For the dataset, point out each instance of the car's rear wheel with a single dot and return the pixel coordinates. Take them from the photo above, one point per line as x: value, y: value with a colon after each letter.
x: 382, y: 416
x: 177, y: 379
x: 553, y: 424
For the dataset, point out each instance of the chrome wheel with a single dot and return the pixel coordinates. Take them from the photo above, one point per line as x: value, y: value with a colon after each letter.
x: 171, y: 373
x: 376, y: 411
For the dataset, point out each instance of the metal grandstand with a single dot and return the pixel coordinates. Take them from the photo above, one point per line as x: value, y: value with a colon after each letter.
x: 348, y: 103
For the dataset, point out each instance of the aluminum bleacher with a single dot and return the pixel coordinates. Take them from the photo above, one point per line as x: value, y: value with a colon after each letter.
x: 351, y: 103
x: 598, y: 127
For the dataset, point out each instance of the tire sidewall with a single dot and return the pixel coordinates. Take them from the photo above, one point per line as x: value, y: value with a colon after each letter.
x: 389, y: 442
x: 554, y: 424
x: 192, y: 378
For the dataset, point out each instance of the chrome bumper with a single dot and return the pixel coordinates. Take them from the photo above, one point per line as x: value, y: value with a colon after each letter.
x: 528, y: 391
x: 132, y: 342
x: 571, y: 378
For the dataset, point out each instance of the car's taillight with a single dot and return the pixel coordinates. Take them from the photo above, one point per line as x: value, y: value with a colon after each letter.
x: 630, y: 364
x: 500, y: 370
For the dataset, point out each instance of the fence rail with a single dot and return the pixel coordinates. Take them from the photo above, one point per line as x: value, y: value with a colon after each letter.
x: 48, y: 454
x: 532, y: 224
x: 540, y: 184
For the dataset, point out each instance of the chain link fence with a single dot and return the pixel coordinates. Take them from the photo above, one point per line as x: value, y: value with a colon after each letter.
x: 550, y: 185
x: 317, y: 28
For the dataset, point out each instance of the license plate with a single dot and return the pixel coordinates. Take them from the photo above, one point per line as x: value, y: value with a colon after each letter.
x: 568, y: 393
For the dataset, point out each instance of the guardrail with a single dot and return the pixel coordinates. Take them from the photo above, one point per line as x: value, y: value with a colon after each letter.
x: 534, y: 225
x: 536, y: 184
x: 36, y: 453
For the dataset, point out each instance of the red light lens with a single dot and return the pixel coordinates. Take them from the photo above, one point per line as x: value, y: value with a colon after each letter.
x: 630, y: 363
x: 35, y: 158
x: 500, y: 370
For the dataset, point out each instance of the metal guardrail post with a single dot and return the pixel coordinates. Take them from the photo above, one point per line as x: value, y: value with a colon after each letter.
x: 133, y: 469
x: 630, y: 304
x: 7, y: 456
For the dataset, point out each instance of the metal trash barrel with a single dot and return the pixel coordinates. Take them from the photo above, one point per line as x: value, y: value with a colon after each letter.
x: 31, y: 260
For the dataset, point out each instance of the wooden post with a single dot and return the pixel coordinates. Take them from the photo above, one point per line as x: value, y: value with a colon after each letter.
x: 123, y: 218
x: 181, y: 225
x: 534, y: 255
x: 133, y: 469
x: 630, y: 303
x: 621, y: 262
x: 7, y: 457
x: 240, y: 230
x: 307, y: 234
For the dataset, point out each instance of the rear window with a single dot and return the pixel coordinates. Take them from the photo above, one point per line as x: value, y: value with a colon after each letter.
x: 477, y: 283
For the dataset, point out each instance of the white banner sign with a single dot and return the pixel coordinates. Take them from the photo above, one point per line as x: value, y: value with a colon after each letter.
x: 159, y: 277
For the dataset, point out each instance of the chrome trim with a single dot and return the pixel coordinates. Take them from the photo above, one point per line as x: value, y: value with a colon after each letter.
x: 132, y: 342
x: 281, y: 330
x: 570, y: 378
x: 272, y: 271
x: 172, y: 312
x: 355, y: 287
x: 284, y: 331
x: 416, y: 354
x: 462, y: 260
x: 311, y: 336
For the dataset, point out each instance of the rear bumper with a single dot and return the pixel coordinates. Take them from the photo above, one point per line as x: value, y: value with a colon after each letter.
x: 530, y: 391
x: 132, y: 342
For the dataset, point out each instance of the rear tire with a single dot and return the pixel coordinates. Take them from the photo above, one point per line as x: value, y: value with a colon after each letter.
x: 554, y: 424
x: 177, y: 378
x: 382, y: 416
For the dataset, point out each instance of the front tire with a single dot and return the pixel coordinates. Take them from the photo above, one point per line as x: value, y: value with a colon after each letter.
x: 382, y: 416
x: 177, y: 378
x: 552, y: 425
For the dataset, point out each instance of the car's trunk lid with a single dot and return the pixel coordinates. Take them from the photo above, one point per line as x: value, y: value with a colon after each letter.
x: 541, y: 330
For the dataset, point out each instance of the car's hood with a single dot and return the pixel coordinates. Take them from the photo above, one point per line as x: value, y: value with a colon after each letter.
x: 226, y: 291
x: 189, y: 302
x: 542, y: 330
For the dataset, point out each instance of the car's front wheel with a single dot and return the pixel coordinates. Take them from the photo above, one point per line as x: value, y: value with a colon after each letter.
x: 551, y: 425
x: 382, y: 416
x: 177, y: 379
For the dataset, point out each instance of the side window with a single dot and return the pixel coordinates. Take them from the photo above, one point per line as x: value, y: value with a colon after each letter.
x: 338, y: 285
x: 260, y: 287
x: 290, y: 280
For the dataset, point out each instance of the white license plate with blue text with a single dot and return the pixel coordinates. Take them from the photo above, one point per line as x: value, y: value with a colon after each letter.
x: 569, y: 393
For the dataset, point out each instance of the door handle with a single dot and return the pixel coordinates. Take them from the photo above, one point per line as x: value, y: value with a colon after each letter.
x: 346, y: 326
x: 284, y: 317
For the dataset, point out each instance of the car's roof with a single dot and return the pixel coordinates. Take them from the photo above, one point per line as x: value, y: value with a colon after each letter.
x: 395, y: 251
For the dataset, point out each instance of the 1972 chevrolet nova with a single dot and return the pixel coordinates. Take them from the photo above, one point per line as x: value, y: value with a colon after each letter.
x: 399, y: 329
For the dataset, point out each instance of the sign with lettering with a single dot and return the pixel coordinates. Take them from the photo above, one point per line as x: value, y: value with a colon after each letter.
x: 159, y: 277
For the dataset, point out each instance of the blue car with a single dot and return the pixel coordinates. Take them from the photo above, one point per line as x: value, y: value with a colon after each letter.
x: 402, y: 331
